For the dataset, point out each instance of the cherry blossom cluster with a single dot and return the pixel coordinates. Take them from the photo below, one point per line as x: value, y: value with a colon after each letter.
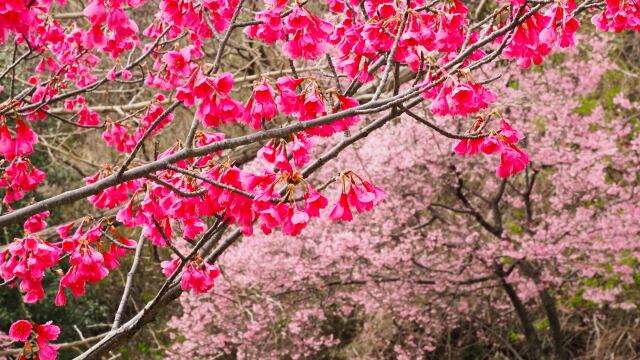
x: 362, y: 38
x: 512, y: 159
x: 118, y: 136
x: 86, y: 116
x: 36, y: 338
x: 618, y: 16
x: 312, y: 102
x: 215, y: 107
x: 454, y: 97
x: 357, y: 40
x: 19, y: 175
x: 192, y: 15
x: 227, y: 193
x: 197, y: 275
x: 287, y: 213
x: 305, y: 33
x: 27, y: 259
x: 112, y: 31
x: 90, y: 257
x: 277, y: 152
x: 535, y: 39
x: 362, y: 197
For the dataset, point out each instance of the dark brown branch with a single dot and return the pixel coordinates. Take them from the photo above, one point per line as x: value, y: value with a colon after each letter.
x: 174, y: 189
x: 144, y: 137
x: 117, y: 243
x: 14, y: 64
x: 210, y: 181
x: 533, y: 342
x: 166, y: 239
x: 440, y: 130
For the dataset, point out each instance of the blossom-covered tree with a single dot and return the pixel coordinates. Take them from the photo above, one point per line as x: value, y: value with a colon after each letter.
x: 229, y: 114
x: 453, y: 248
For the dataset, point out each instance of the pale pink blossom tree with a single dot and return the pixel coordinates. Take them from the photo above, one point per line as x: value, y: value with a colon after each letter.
x: 452, y: 246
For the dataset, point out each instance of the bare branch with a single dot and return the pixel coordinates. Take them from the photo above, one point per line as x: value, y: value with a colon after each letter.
x: 129, y: 283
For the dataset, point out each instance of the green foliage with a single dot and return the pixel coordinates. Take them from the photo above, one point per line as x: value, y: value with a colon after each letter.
x: 557, y: 58
x: 515, y: 336
x: 596, y: 203
x: 586, y: 107
x: 542, y: 324
x: 540, y: 124
x: 576, y: 300
x: 610, y: 85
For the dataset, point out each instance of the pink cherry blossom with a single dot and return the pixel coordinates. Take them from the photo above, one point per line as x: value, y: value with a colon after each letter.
x: 261, y: 107
x: 309, y: 34
x: 20, y: 330
x: 178, y: 62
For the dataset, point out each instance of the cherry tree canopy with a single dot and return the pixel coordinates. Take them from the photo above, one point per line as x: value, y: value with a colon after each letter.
x: 468, y: 179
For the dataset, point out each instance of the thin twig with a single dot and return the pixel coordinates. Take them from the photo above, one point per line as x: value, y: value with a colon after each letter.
x: 166, y: 239
x: 129, y: 283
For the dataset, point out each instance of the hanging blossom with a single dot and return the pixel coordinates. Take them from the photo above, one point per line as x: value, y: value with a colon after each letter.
x: 197, y: 275
x: 298, y: 147
x: 19, y: 175
x: 271, y: 27
x: 312, y: 102
x: 19, y: 145
x: 618, y: 15
x: 119, y: 135
x: 88, y: 117
x: 89, y: 256
x: 560, y: 16
x: 189, y: 15
x: 458, y: 97
x: 292, y: 211
x: 512, y: 159
x: 36, y: 338
x: 308, y: 35
x: 212, y: 92
x: 112, y: 196
x: 121, y: 34
x: 534, y: 39
x: 28, y: 258
x: 305, y: 34
x: 123, y: 73
x: 362, y: 197
x: 260, y: 107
